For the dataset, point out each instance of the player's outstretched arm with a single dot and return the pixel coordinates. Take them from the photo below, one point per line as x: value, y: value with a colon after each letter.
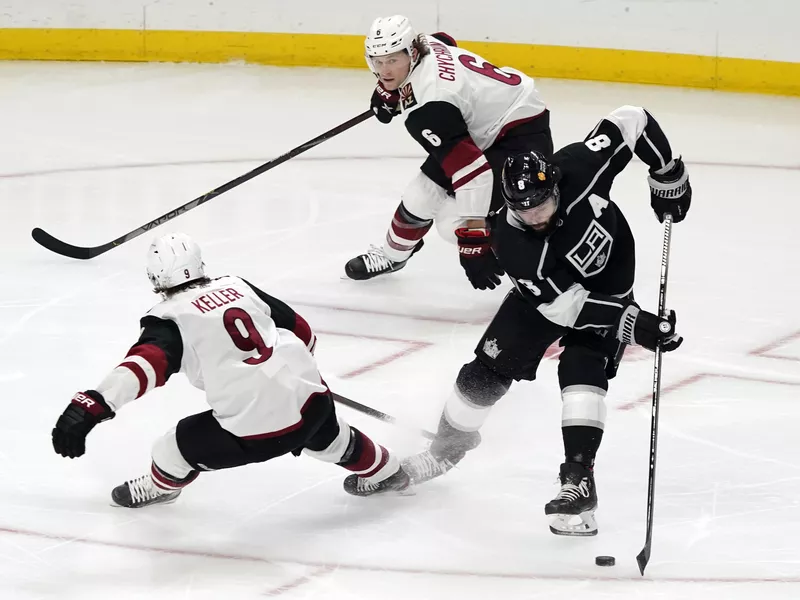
x: 149, y: 363
x: 632, y: 130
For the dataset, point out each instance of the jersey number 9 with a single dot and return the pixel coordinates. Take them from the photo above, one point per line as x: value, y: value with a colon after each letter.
x: 252, y: 342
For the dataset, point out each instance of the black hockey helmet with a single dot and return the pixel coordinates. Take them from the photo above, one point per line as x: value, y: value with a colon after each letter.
x: 529, y: 180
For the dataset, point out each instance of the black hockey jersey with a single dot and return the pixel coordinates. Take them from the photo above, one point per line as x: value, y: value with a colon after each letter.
x: 577, y: 274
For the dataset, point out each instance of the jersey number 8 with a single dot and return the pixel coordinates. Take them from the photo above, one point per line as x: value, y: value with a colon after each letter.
x: 598, y: 142
x: 246, y: 343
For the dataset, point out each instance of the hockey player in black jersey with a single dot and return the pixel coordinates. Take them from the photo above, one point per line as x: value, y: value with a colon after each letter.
x: 570, y: 254
x: 468, y: 115
x: 253, y: 356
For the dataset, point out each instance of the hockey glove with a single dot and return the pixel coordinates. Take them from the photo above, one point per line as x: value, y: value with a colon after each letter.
x: 670, y: 191
x: 478, y: 259
x: 641, y: 328
x: 385, y: 104
x: 86, y: 410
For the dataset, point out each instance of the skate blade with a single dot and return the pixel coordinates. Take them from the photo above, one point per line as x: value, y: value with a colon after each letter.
x: 161, y: 503
x: 582, y: 525
x: 408, y: 491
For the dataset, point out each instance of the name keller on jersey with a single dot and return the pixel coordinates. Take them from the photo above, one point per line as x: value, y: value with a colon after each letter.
x: 209, y: 302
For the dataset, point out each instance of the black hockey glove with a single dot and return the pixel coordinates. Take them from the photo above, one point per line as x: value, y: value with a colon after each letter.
x: 86, y: 410
x: 641, y: 328
x: 670, y: 191
x: 478, y: 259
x: 385, y: 104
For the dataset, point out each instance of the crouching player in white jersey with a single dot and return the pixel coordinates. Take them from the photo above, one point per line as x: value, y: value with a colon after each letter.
x: 252, y: 354
x: 469, y: 116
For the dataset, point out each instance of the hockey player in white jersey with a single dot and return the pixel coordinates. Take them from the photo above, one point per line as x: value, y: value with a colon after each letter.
x: 253, y: 356
x: 469, y: 116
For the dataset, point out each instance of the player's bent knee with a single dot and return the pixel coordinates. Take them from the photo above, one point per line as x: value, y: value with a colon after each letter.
x: 336, y: 450
x: 168, y: 458
x: 481, y: 385
x: 477, y: 389
x: 422, y: 197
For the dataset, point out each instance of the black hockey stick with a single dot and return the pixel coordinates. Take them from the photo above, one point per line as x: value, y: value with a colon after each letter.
x: 376, y: 413
x: 64, y: 249
x: 644, y: 556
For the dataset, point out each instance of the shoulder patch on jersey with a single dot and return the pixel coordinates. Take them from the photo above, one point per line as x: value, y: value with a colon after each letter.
x: 590, y: 255
x: 407, y: 96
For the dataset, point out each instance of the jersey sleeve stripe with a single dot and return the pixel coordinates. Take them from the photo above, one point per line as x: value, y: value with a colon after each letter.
x: 463, y: 154
x: 554, y: 286
x: 541, y: 260
x: 140, y: 375
x: 149, y: 356
x: 482, y: 168
x: 303, y: 330
x: 655, y: 150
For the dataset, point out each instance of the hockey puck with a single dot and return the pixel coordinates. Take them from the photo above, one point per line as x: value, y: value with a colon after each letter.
x: 605, y: 561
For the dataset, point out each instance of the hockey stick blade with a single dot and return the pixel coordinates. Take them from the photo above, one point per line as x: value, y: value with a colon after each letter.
x: 381, y: 416
x: 643, y: 558
x: 53, y: 244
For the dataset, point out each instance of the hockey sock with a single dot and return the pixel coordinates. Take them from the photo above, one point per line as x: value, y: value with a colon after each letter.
x: 581, y: 443
x: 404, y: 234
x: 165, y: 483
x: 367, y: 459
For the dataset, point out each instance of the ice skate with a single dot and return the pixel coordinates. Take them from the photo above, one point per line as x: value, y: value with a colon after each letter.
x: 571, y: 512
x: 398, y: 483
x: 447, y: 449
x: 374, y: 263
x: 140, y: 492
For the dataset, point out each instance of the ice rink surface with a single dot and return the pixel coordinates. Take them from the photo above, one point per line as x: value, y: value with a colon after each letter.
x: 91, y: 151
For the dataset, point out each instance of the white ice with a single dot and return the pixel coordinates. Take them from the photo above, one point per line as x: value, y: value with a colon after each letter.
x: 91, y: 151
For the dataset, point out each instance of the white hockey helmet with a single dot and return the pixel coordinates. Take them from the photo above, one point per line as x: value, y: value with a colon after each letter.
x: 388, y: 35
x: 174, y: 259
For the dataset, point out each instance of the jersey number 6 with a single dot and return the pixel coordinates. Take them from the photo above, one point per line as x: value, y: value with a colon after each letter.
x: 489, y: 70
x: 246, y: 343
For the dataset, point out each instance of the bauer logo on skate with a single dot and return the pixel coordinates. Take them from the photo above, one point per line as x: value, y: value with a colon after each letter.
x: 215, y: 299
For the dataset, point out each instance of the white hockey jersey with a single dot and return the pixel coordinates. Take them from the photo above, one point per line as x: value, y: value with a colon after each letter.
x: 456, y: 105
x: 250, y: 352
